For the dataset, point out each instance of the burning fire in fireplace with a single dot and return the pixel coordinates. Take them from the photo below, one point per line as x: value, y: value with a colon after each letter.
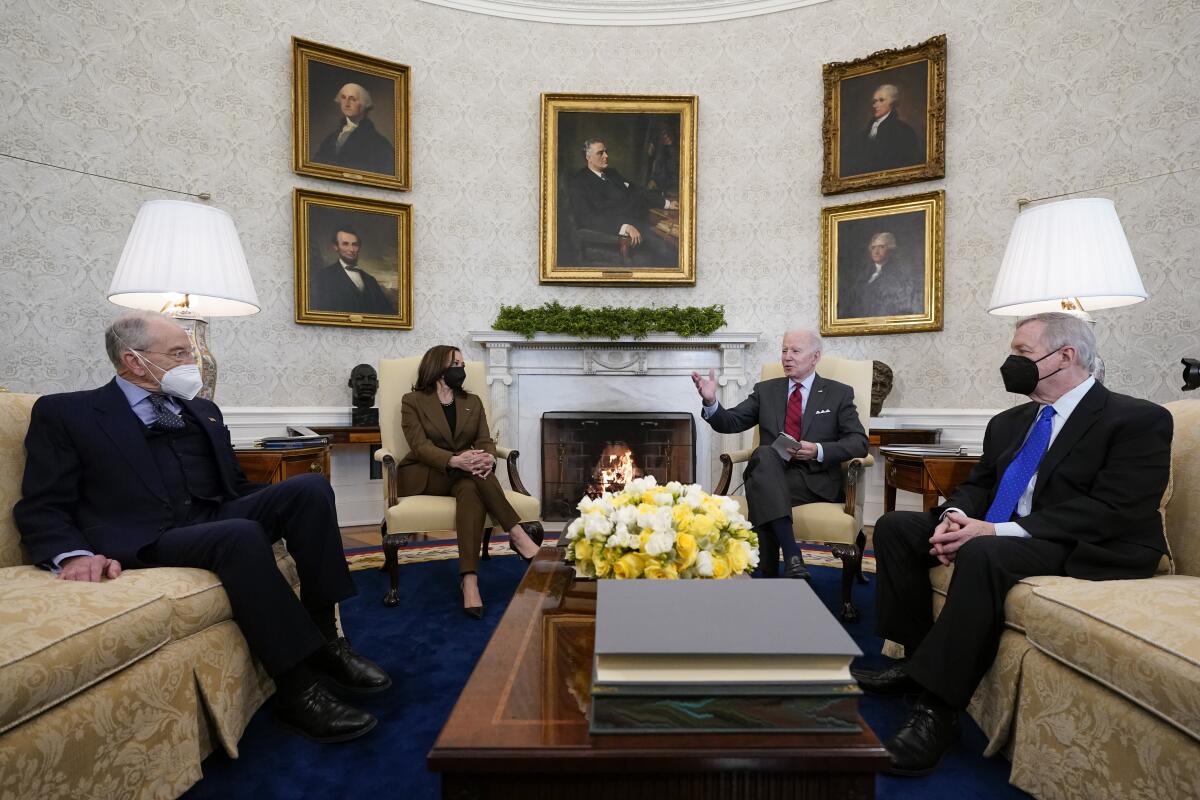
x: 614, y: 469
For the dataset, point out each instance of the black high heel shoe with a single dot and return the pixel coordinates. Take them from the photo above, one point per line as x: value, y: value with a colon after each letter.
x: 535, y: 532
x: 474, y: 612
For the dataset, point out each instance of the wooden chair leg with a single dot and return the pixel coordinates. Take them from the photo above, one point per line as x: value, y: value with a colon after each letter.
x: 861, y: 542
x: 849, y: 554
x: 391, y: 563
x: 484, y: 553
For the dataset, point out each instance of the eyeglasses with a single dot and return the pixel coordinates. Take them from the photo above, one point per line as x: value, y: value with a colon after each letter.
x: 178, y: 355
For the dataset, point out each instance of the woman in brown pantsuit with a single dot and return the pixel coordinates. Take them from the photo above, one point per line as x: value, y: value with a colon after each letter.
x: 452, y: 454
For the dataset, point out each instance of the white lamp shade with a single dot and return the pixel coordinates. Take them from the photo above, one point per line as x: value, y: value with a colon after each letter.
x: 179, y: 248
x: 1072, y: 249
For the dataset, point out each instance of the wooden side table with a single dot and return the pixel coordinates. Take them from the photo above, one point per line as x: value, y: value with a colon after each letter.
x: 882, y: 437
x: 930, y: 476
x: 273, y: 466
x: 356, y: 434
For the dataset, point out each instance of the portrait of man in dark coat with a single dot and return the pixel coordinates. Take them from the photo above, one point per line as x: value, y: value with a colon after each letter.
x: 355, y: 143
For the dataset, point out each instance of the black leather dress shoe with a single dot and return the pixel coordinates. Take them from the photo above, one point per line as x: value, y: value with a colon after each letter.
x: 893, y: 680
x: 918, y: 747
x: 797, y: 569
x: 337, y: 663
x: 535, y: 532
x: 317, y: 715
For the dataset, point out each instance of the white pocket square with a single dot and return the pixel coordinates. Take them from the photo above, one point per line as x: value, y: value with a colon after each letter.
x: 824, y: 411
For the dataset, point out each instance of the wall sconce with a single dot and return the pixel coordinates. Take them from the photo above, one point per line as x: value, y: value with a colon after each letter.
x: 185, y: 260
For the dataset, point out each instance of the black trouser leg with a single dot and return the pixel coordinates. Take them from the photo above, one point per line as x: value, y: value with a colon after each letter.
x: 768, y: 552
x: 961, y: 645
x: 276, y: 626
x: 903, y: 594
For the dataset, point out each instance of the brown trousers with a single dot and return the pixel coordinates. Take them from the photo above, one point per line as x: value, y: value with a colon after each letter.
x: 475, y: 498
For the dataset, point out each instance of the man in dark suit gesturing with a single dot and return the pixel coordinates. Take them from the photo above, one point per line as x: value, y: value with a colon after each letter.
x: 1069, y: 484
x: 819, y: 414
x: 140, y: 473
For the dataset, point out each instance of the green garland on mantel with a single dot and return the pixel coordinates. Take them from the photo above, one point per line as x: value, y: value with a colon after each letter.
x: 609, y: 323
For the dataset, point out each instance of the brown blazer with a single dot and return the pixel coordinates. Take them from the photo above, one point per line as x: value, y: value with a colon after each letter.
x: 430, y: 440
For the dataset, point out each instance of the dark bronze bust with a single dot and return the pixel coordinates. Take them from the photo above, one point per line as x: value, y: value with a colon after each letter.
x: 881, y: 386
x: 364, y: 382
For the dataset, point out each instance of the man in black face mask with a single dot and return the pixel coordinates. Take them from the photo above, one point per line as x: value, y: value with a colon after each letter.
x: 1068, y: 484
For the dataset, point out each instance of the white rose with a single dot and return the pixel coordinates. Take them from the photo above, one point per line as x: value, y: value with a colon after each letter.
x: 659, y: 543
x: 692, y: 499
x: 675, y: 488
x: 664, y: 499
x: 626, y: 515
x: 663, y: 520
x: 730, y: 507
x: 573, y: 530
x: 751, y: 554
x: 704, y: 565
x: 596, y: 527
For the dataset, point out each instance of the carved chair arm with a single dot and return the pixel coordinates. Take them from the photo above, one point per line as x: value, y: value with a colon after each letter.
x: 727, y: 462
x: 853, y: 472
x: 514, y: 478
x: 391, y: 480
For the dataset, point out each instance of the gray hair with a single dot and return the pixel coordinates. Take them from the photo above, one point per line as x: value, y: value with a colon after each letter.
x: 814, y: 338
x: 587, y: 145
x: 363, y: 95
x: 1063, y: 330
x: 892, y: 91
x: 888, y: 240
x: 130, y: 331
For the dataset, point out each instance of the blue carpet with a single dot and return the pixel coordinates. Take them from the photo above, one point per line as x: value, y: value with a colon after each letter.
x: 429, y: 647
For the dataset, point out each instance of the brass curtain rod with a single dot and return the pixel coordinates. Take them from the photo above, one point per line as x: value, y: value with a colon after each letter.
x: 200, y: 195
x: 1022, y: 202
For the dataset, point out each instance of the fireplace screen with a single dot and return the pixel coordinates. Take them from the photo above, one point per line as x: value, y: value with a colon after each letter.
x: 586, y: 453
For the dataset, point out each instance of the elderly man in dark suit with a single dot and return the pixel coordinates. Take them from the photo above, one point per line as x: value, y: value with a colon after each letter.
x: 602, y: 200
x: 140, y: 473
x: 820, y: 415
x: 1069, y: 484
x: 356, y: 144
x: 343, y: 286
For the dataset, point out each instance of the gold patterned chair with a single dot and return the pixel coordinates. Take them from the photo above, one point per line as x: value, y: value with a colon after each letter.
x: 1093, y: 693
x: 838, y: 524
x: 417, y: 513
x: 113, y: 689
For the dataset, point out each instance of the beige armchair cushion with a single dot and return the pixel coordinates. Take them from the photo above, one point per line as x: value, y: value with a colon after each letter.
x: 817, y: 522
x: 1183, y: 509
x: 425, y: 512
x: 1140, y: 638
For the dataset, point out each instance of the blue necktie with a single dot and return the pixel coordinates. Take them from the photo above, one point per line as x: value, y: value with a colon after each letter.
x: 1021, y: 469
x: 164, y: 417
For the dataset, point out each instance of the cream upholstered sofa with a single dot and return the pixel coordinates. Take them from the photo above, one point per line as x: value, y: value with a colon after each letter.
x: 1095, y: 693
x: 116, y: 689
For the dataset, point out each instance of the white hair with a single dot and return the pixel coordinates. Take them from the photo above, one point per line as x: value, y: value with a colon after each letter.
x: 1062, y: 330
x: 892, y: 91
x: 814, y: 338
x: 888, y: 240
x: 130, y: 331
x: 363, y: 95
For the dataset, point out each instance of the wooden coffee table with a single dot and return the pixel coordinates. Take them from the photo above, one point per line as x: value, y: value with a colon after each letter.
x: 520, y: 730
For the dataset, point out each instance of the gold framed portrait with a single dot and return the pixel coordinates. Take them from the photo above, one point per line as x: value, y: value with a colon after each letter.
x: 618, y: 189
x: 350, y: 116
x: 881, y: 266
x: 885, y: 118
x: 353, y: 261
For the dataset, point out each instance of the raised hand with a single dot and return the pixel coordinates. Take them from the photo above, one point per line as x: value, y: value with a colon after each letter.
x: 707, y: 387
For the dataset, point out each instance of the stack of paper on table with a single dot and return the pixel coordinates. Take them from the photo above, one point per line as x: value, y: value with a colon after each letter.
x: 720, y: 656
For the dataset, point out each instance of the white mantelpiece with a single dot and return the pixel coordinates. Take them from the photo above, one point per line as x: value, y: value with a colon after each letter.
x: 553, y: 372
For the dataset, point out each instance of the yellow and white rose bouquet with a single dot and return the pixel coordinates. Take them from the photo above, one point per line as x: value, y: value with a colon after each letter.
x: 661, y: 532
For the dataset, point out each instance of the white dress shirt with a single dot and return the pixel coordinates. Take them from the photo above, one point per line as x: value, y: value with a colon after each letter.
x: 1063, y: 408
x: 878, y: 122
x: 353, y: 274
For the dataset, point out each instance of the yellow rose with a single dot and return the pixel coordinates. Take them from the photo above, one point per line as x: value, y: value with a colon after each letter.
x: 602, y: 566
x: 681, y: 514
x: 628, y: 566
x: 736, y: 555
x: 654, y: 571
x: 686, y: 547
x: 644, y: 537
x: 720, y: 567
x: 620, y: 500
x: 583, y: 550
x: 701, y: 525
x: 646, y: 508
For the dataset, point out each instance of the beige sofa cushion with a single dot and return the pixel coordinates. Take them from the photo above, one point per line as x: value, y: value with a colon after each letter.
x: 1140, y: 638
x: 60, y: 637
x: 14, y: 421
